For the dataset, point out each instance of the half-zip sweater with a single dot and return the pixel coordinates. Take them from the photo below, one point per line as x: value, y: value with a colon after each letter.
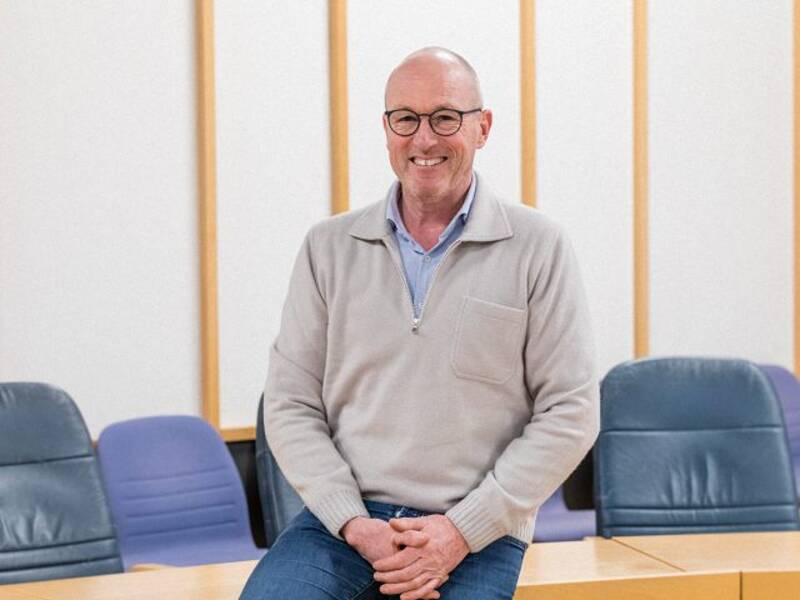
x: 478, y: 408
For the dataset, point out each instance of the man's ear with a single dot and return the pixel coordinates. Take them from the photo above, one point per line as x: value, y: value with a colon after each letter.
x: 486, y: 126
x: 386, y: 131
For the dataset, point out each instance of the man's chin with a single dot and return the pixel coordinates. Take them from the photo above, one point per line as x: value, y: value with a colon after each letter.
x: 426, y: 188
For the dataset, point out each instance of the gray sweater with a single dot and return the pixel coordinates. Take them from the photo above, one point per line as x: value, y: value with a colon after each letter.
x: 479, y: 409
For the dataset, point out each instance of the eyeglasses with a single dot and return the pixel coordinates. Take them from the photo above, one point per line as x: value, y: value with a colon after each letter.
x: 445, y: 121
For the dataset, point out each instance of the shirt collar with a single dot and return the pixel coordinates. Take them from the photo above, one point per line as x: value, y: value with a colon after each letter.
x: 488, y: 221
x: 396, y: 222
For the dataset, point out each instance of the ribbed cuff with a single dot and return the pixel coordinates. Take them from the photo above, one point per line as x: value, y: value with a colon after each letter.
x: 474, y: 520
x: 337, y: 509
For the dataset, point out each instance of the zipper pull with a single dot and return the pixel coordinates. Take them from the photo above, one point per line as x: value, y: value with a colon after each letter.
x: 414, y: 325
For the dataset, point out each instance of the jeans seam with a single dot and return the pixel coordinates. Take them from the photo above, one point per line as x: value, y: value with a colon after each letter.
x: 360, y: 592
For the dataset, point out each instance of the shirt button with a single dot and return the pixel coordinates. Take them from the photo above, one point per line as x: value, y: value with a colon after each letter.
x: 427, y: 259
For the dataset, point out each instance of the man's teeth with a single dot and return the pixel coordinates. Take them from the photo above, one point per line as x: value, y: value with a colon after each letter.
x: 428, y: 162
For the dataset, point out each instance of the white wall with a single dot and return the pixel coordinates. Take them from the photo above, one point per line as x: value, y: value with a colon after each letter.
x: 98, y: 251
x: 721, y: 178
x: 584, y: 132
x: 273, y: 176
x: 98, y: 199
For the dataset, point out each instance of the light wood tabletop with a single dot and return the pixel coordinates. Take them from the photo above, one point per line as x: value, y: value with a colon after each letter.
x: 747, y: 552
x: 769, y: 562
x: 585, y: 570
x: 209, y: 582
x: 598, y: 569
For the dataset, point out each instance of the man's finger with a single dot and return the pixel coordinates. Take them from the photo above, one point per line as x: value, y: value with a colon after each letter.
x: 413, y: 538
x: 407, y: 523
x: 401, y: 575
x: 393, y: 589
x: 398, y: 560
x: 423, y: 592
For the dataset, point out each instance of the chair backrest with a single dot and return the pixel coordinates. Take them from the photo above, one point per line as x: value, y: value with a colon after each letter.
x: 175, y: 493
x: 279, y: 502
x: 691, y: 445
x: 787, y: 388
x: 54, y: 518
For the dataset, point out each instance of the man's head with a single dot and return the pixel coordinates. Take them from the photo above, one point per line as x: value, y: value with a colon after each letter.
x: 433, y: 166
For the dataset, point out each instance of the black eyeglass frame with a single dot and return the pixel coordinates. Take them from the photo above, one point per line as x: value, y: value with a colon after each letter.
x: 461, y: 113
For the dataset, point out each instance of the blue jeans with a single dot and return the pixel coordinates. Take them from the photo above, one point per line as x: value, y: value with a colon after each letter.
x: 307, y: 563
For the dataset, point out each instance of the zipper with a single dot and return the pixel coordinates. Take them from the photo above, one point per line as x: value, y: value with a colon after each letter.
x: 433, y: 281
x: 416, y: 321
x: 399, y: 268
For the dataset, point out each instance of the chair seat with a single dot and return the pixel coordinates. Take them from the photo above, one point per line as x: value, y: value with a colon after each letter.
x: 199, y: 554
x: 556, y: 523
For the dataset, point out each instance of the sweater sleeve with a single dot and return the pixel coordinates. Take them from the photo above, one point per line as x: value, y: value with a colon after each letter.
x: 295, y: 422
x: 561, y: 381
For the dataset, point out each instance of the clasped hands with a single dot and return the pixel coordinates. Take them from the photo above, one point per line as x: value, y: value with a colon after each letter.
x: 412, y: 557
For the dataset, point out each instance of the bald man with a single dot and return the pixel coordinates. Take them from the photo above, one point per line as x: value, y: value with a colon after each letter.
x: 433, y: 382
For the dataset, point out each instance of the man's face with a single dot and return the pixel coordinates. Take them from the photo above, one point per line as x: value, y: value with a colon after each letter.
x: 431, y: 166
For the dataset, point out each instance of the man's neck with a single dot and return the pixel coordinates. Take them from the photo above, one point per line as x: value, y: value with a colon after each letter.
x: 426, y: 218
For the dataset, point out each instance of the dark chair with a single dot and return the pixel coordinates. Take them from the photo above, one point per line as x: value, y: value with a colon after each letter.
x: 691, y: 445
x: 54, y: 518
x: 176, y: 496
x: 787, y: 388
x: 279, y: 502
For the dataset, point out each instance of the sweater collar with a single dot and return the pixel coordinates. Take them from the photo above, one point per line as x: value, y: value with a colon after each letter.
x: 487, y: 221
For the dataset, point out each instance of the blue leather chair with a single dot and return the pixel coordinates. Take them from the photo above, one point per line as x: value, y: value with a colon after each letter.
x: 787, y: 388
x: 176, y: 496
x: 279, y: 502
x: 54, y: 517
x: 691, y: 445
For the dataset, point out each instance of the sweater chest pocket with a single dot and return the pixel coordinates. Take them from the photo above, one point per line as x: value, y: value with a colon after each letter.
x: 488, y: 340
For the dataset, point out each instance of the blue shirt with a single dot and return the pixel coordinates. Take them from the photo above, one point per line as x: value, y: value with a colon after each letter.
x: 418, y: 264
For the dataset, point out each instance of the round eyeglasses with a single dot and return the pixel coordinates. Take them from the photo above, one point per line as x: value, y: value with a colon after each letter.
x: 445, y: 121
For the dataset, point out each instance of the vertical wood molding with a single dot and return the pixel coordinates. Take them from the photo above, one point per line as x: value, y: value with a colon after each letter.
x: 796, y: 183
x: 337, y: 56
x: 641, y: 249
x: 527, y: 58
x: 207, y: 179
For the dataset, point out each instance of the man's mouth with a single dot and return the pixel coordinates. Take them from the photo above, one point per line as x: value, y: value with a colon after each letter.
x: 428, y: 162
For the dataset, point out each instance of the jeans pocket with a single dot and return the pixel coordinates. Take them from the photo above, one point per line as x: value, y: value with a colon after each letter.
x: 488, y: 340
x: 510, y: 539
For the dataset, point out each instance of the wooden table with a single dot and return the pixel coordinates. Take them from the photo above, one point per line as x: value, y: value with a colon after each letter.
x: 769, y: 562
x: 603, y: 569
x: 587, y: 570
x: 210, y: 582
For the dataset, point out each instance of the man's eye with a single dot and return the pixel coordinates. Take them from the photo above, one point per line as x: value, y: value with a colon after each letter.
x: 406, y: 119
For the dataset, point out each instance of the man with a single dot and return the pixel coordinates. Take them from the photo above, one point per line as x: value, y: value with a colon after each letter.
x: 433, y: 382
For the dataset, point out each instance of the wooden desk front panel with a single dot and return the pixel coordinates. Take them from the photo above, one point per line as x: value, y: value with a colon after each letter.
x: 771, y: 585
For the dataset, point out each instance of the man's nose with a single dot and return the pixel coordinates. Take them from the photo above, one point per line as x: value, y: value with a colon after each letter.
x: 424, y: 134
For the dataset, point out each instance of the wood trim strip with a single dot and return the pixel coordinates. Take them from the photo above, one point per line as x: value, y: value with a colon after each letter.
x: 641, y: 249
x: 527, y: 62
x: 337, y: 55
x: 238, y: 434
x: 207, y: 180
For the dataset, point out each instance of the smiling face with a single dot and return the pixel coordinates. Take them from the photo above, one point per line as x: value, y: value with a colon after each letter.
x: 434, y: 168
